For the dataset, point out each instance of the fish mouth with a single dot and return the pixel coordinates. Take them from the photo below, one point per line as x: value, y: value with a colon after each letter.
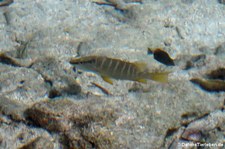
x: 75, y: 61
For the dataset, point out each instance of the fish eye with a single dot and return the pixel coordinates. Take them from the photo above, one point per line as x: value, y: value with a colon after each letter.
x: 86, y: 62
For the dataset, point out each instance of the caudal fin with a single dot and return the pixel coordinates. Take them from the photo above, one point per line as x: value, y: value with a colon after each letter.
x: 159, y: 77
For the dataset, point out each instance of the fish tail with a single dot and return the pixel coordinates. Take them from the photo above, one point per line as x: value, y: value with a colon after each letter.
x: 161, y: 77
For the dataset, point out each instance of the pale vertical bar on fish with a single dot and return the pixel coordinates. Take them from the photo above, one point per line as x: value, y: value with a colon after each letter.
x: 123, y: 68
x: 115, y: 68
x: 102, y: 63
x: 128, y: 70
x: 110, y: 63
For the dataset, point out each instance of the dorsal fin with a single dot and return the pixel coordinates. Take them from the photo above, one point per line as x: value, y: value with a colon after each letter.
x: 141, y: 65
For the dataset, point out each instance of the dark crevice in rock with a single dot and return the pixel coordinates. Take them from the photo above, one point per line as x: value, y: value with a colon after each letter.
x: 219, y: 73
x: 47, y: 80
x: 119, y: 5
x: 7, y: 17
x: 202, y: 116
x: 215, y: 81
x: 195, y: 61
x: 210, y: 85
x: 21, y: 50
x: 170, y: 132
x: 30, y: 122
x: 123, y: 11
x: 220, y: 50
x: 53, y: 93
x: 65, y: 142
x: 4, y: 59
x: 38, y: 143
x: 15, y: 62
x: 22, y: 82
x: 223, y: 107
x: 179, y: 32
x: 187, y: 118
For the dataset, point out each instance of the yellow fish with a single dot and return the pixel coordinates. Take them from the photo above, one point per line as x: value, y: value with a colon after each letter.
x: 118, y: 69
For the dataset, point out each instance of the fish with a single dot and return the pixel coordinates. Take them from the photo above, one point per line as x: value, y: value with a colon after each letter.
x: 109, y: 68
x: 161, y: 56
x: 5, y: 2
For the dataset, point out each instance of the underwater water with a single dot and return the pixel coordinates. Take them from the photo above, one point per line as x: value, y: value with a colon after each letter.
x: 48, y: 99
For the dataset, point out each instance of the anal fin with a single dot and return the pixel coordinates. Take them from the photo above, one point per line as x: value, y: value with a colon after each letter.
x: 107, y: 79
x: 141, y: 80
x: 159, y: 77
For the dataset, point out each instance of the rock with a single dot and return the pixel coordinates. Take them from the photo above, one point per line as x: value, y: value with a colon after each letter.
x: 206, y: 129
x: 46, y: 115
x: 21, y: 84
x: 17, y: 135
x: 219, y: 73
x: 74, y: 120
x: 54, y: 117
x: 1, y: 139
x: 38, y: 143
x: 79, y: 114
x: 57, y: 76
x: 12, y: 108
x: 99, y: 136
x: 220, y: 50
x: 187, y: 61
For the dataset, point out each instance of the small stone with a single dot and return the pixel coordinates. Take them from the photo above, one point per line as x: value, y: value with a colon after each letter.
x: 192, y: 135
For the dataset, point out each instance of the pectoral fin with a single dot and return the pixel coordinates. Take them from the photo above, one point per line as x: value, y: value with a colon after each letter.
x: 141, y: 65
x: 107, y: 79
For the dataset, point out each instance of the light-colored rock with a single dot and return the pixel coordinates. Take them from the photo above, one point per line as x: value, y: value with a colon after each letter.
x: 49, y: 32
